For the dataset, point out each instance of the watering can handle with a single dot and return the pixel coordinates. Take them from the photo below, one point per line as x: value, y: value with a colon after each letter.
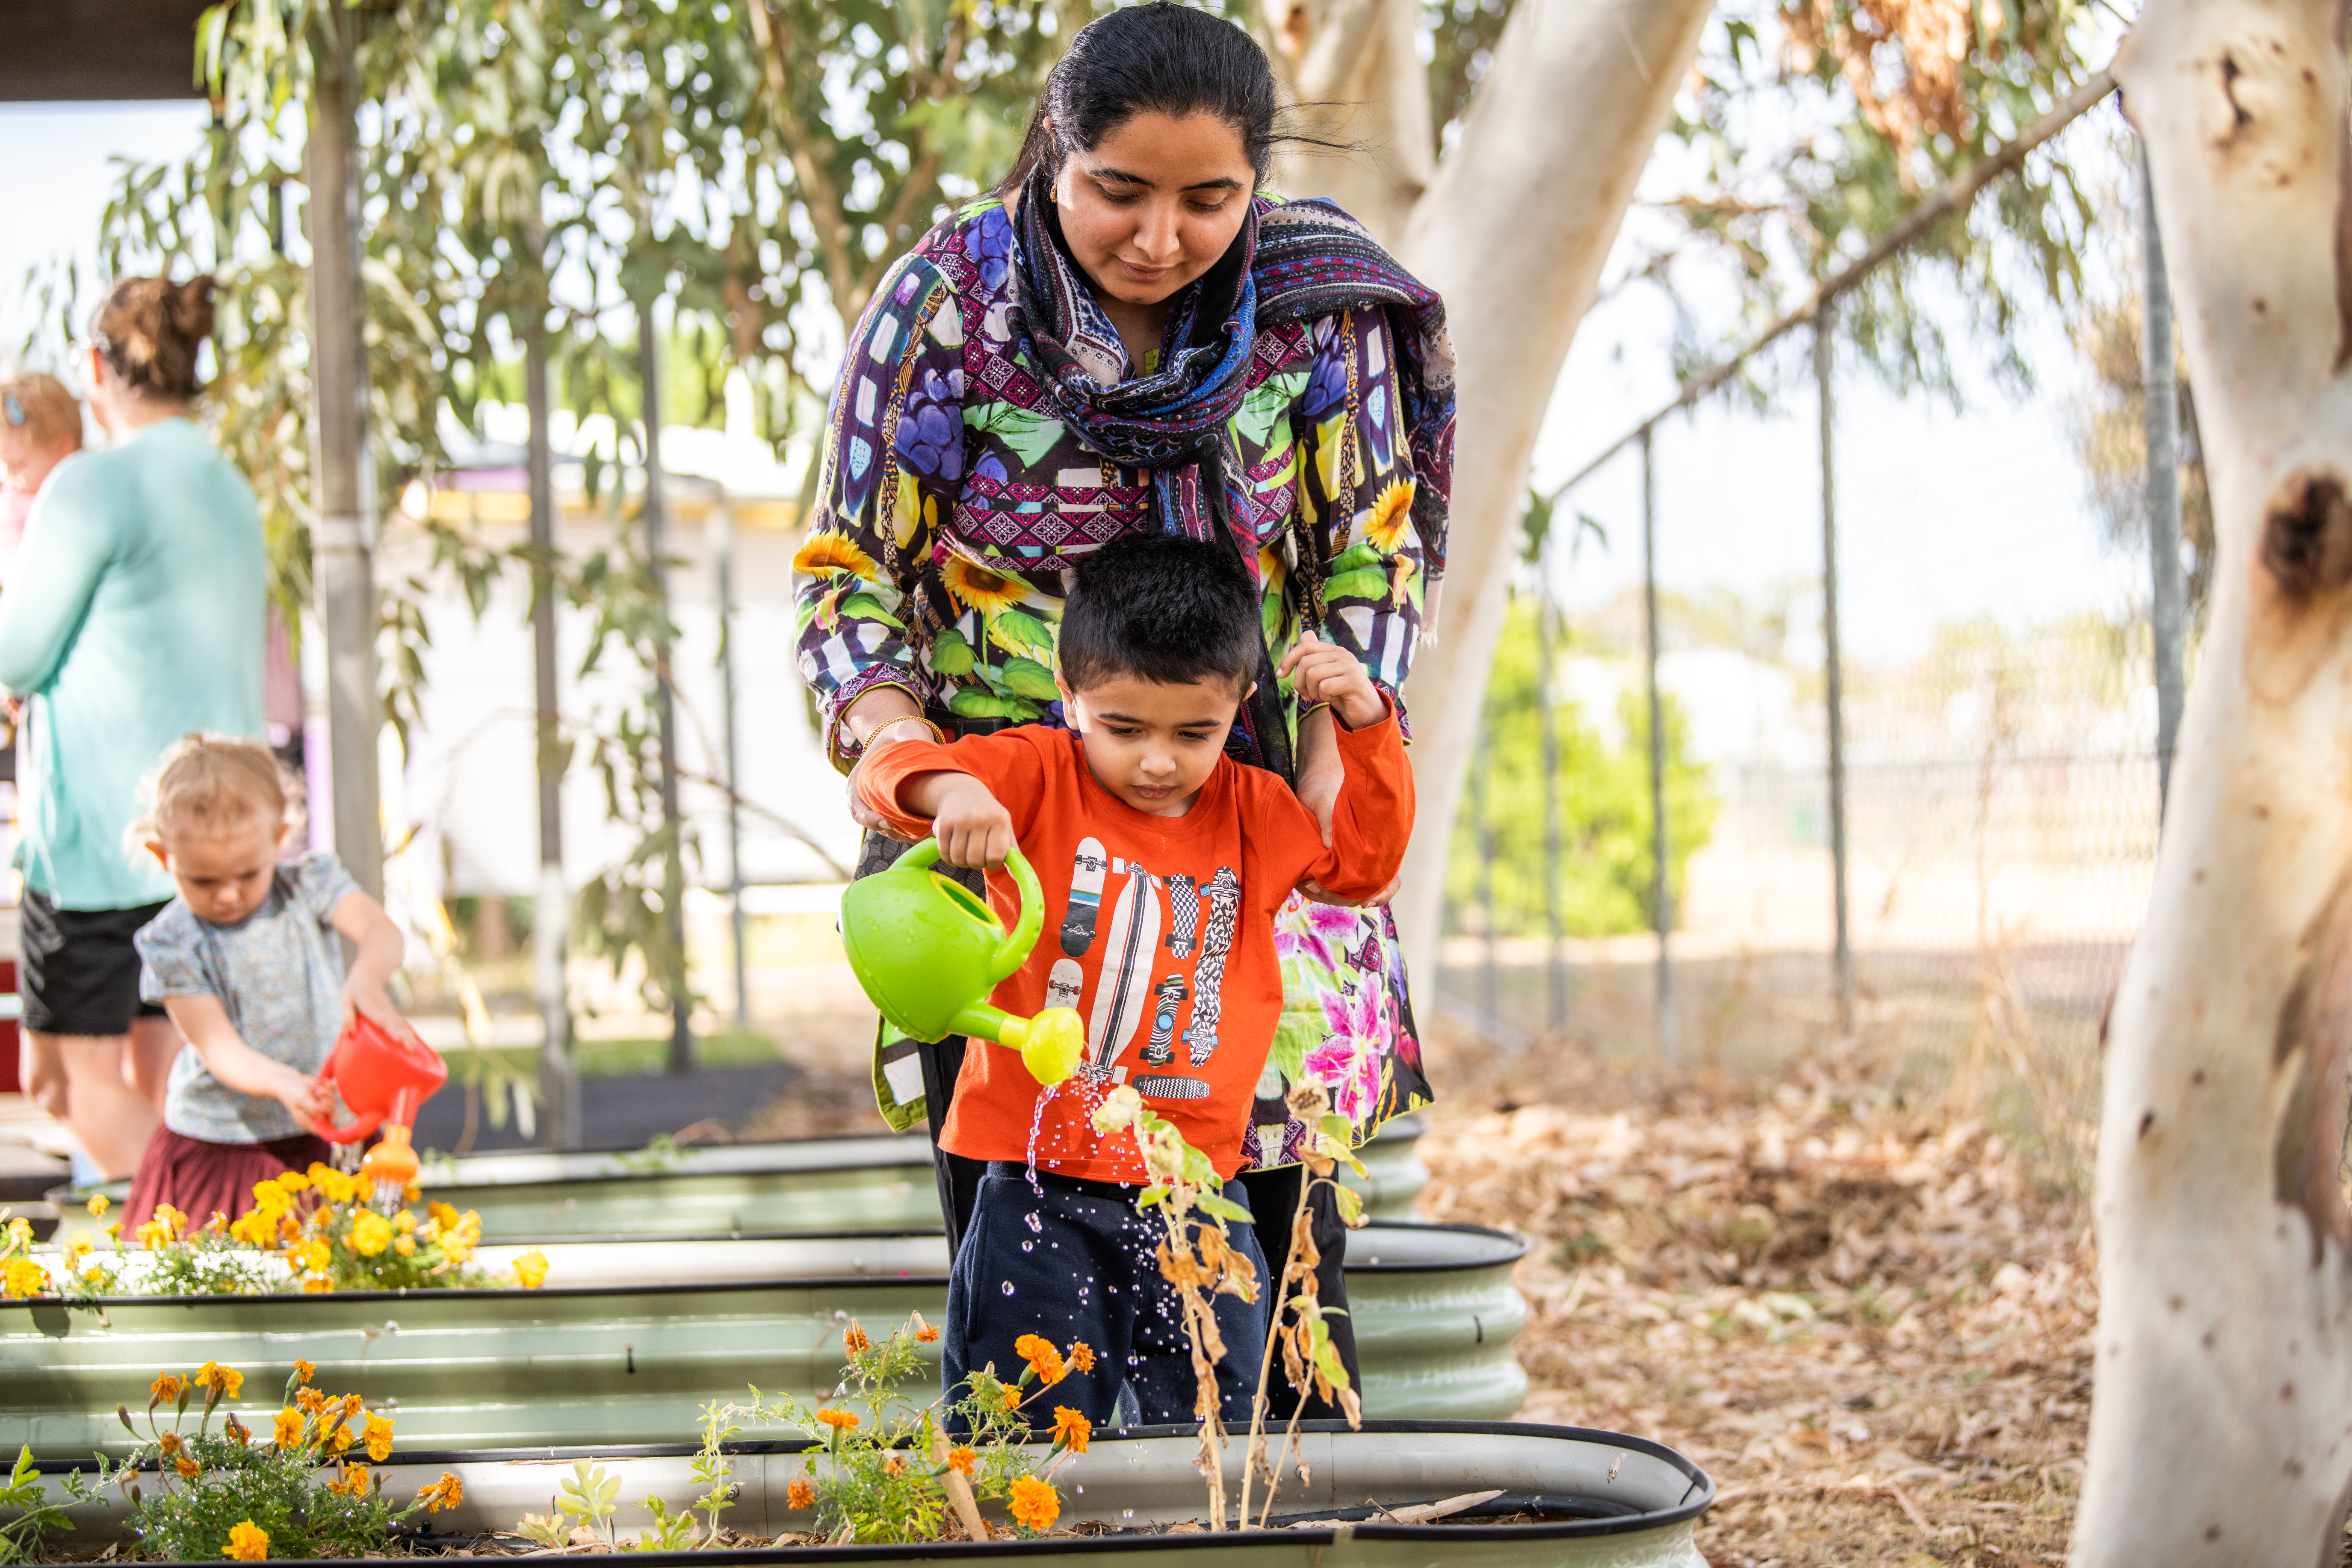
x: 1014, y: 948
x: 351, y: 1132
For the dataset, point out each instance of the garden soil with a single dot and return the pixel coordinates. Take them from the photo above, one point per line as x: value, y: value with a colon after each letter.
x: 1865, y: 1319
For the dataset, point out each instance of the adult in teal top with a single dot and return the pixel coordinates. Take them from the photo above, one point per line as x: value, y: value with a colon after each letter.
x: 135, y: 614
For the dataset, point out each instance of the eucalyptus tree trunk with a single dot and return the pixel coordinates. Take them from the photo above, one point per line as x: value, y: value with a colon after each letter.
x: 2222, y: 1425
x: 1513, y: 231
x: 1351, y: 72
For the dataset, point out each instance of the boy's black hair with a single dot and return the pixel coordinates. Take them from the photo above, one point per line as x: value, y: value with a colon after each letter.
x: 1161, y: 608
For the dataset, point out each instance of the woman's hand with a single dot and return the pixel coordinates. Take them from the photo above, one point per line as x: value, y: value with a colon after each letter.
x: 873, y: 722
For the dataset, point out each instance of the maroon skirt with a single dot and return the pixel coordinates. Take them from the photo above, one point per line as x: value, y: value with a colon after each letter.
x: 203, y: 1179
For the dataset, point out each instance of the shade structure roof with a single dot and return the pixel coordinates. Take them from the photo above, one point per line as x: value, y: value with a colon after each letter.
x: 62, y: 51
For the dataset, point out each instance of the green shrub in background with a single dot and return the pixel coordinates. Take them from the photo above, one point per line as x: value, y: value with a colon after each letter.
x: 1606, y: 863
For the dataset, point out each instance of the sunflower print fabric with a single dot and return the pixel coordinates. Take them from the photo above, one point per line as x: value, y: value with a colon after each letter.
x: 951, y: 501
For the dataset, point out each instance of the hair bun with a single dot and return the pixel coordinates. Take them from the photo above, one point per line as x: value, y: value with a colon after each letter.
x: 189, y: 307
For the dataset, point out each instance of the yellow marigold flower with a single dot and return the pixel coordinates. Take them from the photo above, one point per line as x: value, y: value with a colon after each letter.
x: 317, y: 1286
x: 270, y: 1198
x: 371, y: 1234
x: 97, y: 1203
x: 154, y: 1235
x: 855, y: 1341
x: 293, y: 1182
x: 404, y: 1245
x: 304, y: 1371
x: 531, y: 1269
x: 443, y: 1215
x: 338, y: 1436
x: 187, y: 1468
x: 978, y: 588
x: 379, y: 1438
x: 445, y: 1493
x: 800, y: 1494
x: 164, y: 1390
x: 115, y: 1230
x: 403, y: 1222
x: 1035, y: 1504
x: 828, y: 552
x: 1071, y: 1427
x: 228, y: 1379
x: 218, y: 1224
x: 313, y: 1256
x: 20, y: 1231
x: 287, y: 1430
x: 1391, y: 514
x: 354, y: 1480
x: 310, y: 1400
x: 354, y: 1405
x: 961, y: 1460
x: 839, y: 1420
x: 1081, y: 1357
x: 254, y: 1227
x: 79, y: 1248
x: 336, y: 1187
x: 247, y: 1542
x: 21, y: 1277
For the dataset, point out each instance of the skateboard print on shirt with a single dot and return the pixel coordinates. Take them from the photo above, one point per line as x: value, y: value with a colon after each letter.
x: 1063, y: 983
x: 1183, y: 914
x: 1225, y: 894
x: 1162, y: 1047
x: 1122, y: 988
x: 1086, y: 898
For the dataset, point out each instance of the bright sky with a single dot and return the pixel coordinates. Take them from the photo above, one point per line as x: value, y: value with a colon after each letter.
x: 1943, y: 517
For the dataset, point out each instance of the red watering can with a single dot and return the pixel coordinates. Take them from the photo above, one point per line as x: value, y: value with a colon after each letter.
x: 382, y: 1077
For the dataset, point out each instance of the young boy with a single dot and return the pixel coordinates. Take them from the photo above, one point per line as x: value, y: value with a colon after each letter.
x: 40, y: 427
x: 1163, y: 862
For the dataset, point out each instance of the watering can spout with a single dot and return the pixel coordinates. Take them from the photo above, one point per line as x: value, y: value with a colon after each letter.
x: 928, y: 953
x: 383, y: 1078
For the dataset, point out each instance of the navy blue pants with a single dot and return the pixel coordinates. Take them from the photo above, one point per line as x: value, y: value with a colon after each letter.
x: 1072, y: 1260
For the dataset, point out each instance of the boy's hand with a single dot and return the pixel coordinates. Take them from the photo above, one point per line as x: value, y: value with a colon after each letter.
x: 1319, y: 671
x: 971, y: 825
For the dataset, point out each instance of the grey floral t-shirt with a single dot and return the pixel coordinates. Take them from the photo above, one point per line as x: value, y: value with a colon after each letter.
x: 279, y: 974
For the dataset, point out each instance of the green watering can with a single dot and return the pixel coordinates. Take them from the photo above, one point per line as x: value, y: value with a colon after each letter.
x: 928, y: 951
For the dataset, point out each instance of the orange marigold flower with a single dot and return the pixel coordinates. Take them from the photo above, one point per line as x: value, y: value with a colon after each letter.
x: 379, y: 1438
x: 1012, y: 1400
x: 187, y: 1466
x: 896, y: 1465
x: 800, y: 1494
x: 1071, y: 1427
x: 247, y: 1542
x: 287, y: 1430
x: 1081, y: 1357
x: 168, y: 1444
x: 961, y: 1460
x: 236, y: 1431
x: 310, y: 1400
x: 225, y: 1379
x: 164, y: 1390
x: 927, y: 1334
x: 304, y: 1371
x: 445, y: 1493
x: 855, y: 1341
x: 97, y: 1203
x: 1035, y: 1504
x: 839, y: 1420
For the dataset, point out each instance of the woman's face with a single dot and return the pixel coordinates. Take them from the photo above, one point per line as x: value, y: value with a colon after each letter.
x: 1154, y: 204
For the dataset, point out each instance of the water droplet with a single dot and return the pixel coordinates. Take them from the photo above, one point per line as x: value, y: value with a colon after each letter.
x: 1036, y: 1226
x: 1028, y: 1246
x: 1008, y: 1286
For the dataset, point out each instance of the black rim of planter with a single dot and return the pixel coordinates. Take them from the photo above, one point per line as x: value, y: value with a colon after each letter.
x: 1695, y: 1499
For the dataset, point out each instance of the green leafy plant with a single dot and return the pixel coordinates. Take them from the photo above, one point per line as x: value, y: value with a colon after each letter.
x: 27, y: 1519
x: 303, y: 1489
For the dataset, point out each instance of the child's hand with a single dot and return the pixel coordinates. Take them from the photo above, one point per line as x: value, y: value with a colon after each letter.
x: 360, y: 997
x: 306, y: 1098
x: 971, y: 825
x: 1322, y: 672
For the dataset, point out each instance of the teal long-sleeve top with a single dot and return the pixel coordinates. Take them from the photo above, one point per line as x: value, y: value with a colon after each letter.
x: 135, y: 614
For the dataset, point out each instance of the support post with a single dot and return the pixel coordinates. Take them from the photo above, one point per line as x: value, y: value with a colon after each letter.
x: 1662, y: 895
x: 681, y: 1005
x: 343, y: 539
x: 2168, y: 598
x: 1555, y: 970
x: 722, y: 523
x: 559, y: 1079
x: 1824, y: 357
x: 1489, y: 984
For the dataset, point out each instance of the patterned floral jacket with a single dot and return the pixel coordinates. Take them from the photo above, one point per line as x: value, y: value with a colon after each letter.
x: 953, y: 500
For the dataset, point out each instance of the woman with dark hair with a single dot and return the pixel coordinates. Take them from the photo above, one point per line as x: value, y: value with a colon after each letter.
x: 1128, y: 337
x: 134, y: 614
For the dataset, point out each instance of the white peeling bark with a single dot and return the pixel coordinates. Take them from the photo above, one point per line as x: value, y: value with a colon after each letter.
x: 2221, y: 1423
x: 1352, y: 74
x: 1514, y: 232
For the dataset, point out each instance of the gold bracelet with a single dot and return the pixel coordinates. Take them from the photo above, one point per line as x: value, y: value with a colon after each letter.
x: 938, y: 736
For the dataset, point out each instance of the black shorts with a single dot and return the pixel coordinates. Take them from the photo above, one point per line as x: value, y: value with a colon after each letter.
x: 79, y: 972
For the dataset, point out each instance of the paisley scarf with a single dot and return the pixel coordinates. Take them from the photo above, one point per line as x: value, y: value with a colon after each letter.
x: 1292, y: 261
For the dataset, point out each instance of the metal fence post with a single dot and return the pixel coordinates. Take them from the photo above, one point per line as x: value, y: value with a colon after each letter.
x: 559, y: 1080
x: 343, y: 539
x: 2169, y: 593
x: 723, y: 527
x: 1662, y: 897
x: 681, y: 1005
x: 1824, y: 356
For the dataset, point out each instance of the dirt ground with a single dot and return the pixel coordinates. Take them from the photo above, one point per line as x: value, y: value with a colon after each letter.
x: 1864, y: 1319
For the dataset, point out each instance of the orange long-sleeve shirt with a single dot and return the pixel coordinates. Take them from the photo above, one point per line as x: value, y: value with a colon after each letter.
x: 1159, y: 930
